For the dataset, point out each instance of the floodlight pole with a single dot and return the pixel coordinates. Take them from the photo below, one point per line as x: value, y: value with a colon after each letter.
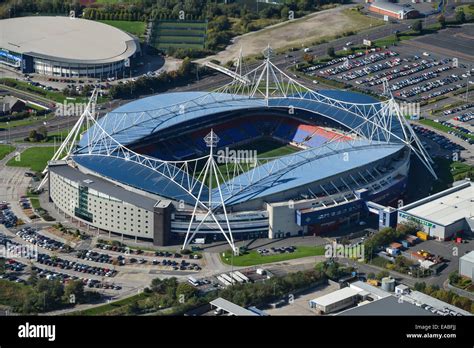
x: 211, y: 170
x: 69, y: 142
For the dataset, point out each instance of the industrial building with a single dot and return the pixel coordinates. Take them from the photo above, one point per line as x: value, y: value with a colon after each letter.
x: 336, y: 300
x: 443, y: 215
x: 65, y: 47
x: 393, y: 10
x: 389, y: 305
x: 466, y: 265
x: 221, y: 304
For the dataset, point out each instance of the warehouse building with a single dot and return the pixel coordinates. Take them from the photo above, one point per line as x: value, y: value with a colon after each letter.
x: 443, y: 215
x: 389, y: 305
x: 336, y: 300
x: 393, y: 10
x: 466, y: 265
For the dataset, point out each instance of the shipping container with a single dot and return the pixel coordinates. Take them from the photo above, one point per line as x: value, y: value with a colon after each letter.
x: 392, y: 252
x: 395, y: 245
x: 422, y: 235
x: 373, y: 282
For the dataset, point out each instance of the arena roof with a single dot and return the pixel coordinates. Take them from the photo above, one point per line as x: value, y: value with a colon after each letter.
x: 144, y: 117
x: 66, y: 39
x: 131, y: 123
x: 306, y: 167
x: 310, y: 166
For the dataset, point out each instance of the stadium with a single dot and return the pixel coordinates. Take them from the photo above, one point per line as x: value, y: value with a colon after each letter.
x: 262, y: 156
x: 65, y: 47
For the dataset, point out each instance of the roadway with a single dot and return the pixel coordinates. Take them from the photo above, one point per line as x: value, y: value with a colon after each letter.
x: 215, y: 80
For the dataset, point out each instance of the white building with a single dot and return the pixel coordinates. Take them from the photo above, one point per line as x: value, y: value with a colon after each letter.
x: 336, y: 300
x: 444, y: 214
x: 466, y: 265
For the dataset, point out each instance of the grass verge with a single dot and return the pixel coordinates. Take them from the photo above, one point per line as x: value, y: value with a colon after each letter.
x: 254, y: 258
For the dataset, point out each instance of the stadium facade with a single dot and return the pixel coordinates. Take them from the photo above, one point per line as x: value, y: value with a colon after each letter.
x: 151, y: 169
x: 65, y: 47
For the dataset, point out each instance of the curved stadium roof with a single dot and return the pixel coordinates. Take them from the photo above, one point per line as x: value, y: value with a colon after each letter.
x: 144, y: 117
x: 65, y: 39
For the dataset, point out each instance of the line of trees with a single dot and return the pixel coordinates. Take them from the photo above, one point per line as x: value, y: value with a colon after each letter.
x: 446, y: 296
x: 388, y: 235
x: 148, y: 85
x: 42, y: 295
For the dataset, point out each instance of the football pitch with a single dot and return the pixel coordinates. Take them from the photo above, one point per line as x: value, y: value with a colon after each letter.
x: 246, y: 156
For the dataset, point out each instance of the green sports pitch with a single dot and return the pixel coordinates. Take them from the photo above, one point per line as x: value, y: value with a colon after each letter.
x: 265, y: 149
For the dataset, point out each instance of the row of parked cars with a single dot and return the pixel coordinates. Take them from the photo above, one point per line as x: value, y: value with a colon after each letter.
x: 13, y: 269
x: 465, y: 117
x: 31, y: 235
x: 414, y: 80
x: 444, y: 312
x: 7, y: 217
x: 311, y: 70
x: 183, y: 265
x: 458, y: 109
x: 406, y: 70
x: 442, y: 141
x: 351, y: 64
x: 370, y: 69
x: 91, y: 255
x: 442, y: 91
x: 279, y: 250
x: 64, y: 278
x: 24, y: 203
x: 75, y: 266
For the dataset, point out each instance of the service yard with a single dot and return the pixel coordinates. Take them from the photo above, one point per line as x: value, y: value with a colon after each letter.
x: 325, y: 24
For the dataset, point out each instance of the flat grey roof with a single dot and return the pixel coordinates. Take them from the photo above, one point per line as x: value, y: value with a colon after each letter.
x: 231, y: 307
x: 336, y: 296
x: 66, y: 39
x: 359, y: 285
x: 468, y: 257
x: 386, y: 306
x: 445, y: 207
x: 104, y: 186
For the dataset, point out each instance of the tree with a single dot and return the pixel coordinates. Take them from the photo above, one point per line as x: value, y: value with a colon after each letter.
x: 33, y: 136
x: 185, y: 291
x: 33, y: 278
x: 133, y: 308
x: 331, y: 52
x: 43, y: 133
x: 382, y: 274
x: 442, y: 21
x: 74, y: 292
x: 454, y: 278
x: 308, y: 58
x: 460, y: 16
x: 418, y: 26
x: 420, y: 286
